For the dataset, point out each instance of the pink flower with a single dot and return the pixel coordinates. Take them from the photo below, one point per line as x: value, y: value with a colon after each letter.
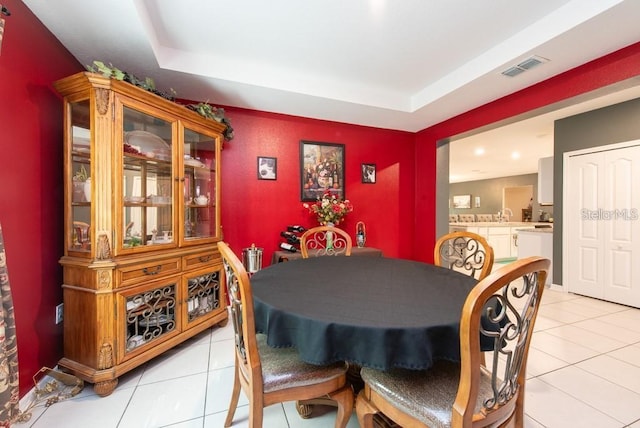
x: 329, y: 209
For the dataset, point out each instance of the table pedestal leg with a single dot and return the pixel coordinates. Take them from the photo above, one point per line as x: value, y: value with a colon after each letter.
x: 305, y: 407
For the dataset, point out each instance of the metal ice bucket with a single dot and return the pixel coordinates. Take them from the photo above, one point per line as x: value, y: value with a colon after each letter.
x: 252, y: 258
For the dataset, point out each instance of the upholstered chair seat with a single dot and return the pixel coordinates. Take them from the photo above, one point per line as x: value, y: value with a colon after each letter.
x: 426, y: 395
x: 283, y: 369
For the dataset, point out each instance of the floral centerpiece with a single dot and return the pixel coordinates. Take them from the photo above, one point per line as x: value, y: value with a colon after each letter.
x: 329, y: 209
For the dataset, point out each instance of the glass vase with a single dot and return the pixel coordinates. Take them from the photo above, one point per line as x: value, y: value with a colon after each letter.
x: 329, y: 237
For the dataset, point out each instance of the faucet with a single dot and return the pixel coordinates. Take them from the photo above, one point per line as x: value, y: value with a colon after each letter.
x: 506, y: 213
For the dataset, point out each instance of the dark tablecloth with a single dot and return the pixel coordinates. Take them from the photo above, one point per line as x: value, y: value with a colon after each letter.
x: 375, y: 312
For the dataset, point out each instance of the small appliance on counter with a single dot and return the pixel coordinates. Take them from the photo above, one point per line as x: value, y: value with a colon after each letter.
x: 544, y: 216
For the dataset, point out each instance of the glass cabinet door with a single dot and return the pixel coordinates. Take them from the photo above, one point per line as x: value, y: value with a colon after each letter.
x: 203, y: 294
x: 200, y: 187
x: 150, y: 314
x: 147, y: 185
x: 79, y: 238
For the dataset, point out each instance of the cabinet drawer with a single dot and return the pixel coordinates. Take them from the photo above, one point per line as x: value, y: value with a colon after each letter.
x: 499, y: 230
x: 147, y: 271
x: 200, y: 260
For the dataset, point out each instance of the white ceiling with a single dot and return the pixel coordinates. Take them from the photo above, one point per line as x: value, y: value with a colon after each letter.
x: 530, y: 138
x: 402, y: 65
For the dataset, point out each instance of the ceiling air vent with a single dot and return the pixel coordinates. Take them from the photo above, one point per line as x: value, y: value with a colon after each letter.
x: 525, y: 65
x: 513, y: 71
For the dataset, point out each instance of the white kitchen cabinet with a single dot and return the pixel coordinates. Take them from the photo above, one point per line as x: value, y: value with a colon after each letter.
x: 500, y: 240
x: 503, y: 237
x: 536, y: 242
x: 545, y: 181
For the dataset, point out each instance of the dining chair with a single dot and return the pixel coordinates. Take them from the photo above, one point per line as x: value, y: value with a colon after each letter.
x: 273, y: 375
x: 465, y: 252
x: 499, y: 312
x: 325, y: 241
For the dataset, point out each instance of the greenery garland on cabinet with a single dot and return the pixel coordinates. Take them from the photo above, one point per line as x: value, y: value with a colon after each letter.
x: 203, y: 109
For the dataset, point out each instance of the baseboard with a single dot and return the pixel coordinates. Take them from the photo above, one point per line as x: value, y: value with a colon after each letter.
x: 557, y: 287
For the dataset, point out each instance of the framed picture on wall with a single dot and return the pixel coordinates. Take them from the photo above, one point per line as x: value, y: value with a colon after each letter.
x: 321, y: 170
x: 267, y: 168
x: 368, y: 171
x: 462, y: 201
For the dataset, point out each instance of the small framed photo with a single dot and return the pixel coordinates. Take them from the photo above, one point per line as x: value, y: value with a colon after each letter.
x: 368, y: 171
x: 267, y: 168
x: 462, y: 201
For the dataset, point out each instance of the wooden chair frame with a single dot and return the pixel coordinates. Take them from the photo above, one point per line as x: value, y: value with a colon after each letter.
x: 500, y: 388
x: 464, y: 251
x: 288, y: 378
x: 325, y: 241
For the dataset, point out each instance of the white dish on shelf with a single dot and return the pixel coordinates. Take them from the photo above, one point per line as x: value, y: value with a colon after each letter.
x: 201, y: 200
x: 193, y: 162
x: 156, y: 199
x: 81, y: 149
x: 134, y: 199
x: 162, y: 240
x: 147, y: 143
x: 154, y: 320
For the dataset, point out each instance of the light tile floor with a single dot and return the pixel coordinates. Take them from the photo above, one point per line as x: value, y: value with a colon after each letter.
x: 583, y: 371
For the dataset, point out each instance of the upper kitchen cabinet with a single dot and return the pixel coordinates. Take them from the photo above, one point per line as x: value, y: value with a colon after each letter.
x: 141, y: 272
x: 545, y: 181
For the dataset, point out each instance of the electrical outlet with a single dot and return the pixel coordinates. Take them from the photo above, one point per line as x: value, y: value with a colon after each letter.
x: 59, y: 313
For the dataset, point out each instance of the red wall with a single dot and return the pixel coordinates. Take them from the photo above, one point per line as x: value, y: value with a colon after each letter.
x: 31, y: 183
x: 616, y: 67
x: 255, y: 211
x: 398, y: 210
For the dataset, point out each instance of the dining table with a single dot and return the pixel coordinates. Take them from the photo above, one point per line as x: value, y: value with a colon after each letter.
x: 375, y: 312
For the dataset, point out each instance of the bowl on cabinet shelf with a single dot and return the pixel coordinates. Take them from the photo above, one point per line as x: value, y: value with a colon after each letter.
x: 201, y: 200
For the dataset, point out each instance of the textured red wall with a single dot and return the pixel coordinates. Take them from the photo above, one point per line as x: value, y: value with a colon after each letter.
x: 398, y: 210
x: 615, y: 67
x: 255, y: 211
x: 31, y: 183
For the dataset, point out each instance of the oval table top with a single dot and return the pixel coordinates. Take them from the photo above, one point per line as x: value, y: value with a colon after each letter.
x: 375, y: 312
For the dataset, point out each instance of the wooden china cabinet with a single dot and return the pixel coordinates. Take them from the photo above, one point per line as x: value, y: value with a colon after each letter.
x: 141, y: 270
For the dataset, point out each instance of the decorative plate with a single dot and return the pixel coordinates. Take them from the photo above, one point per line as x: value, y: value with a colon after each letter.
x: 146, y: 142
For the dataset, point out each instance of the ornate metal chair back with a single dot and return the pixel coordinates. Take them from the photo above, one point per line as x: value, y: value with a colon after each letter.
x: 241, y: 315
x: 325, y: 241
x: 464, y: 252
x: 503, y: 308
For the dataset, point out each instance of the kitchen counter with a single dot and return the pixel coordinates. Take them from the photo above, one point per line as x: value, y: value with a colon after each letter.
x: 536, y: 230
x: 499, y: 224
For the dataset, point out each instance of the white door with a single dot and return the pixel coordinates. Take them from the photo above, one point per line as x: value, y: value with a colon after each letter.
x: 601, y: 218
x: 622, y: 201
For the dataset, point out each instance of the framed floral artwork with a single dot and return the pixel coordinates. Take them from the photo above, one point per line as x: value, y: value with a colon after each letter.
x: 321, y: 170
x: 267, y: 168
